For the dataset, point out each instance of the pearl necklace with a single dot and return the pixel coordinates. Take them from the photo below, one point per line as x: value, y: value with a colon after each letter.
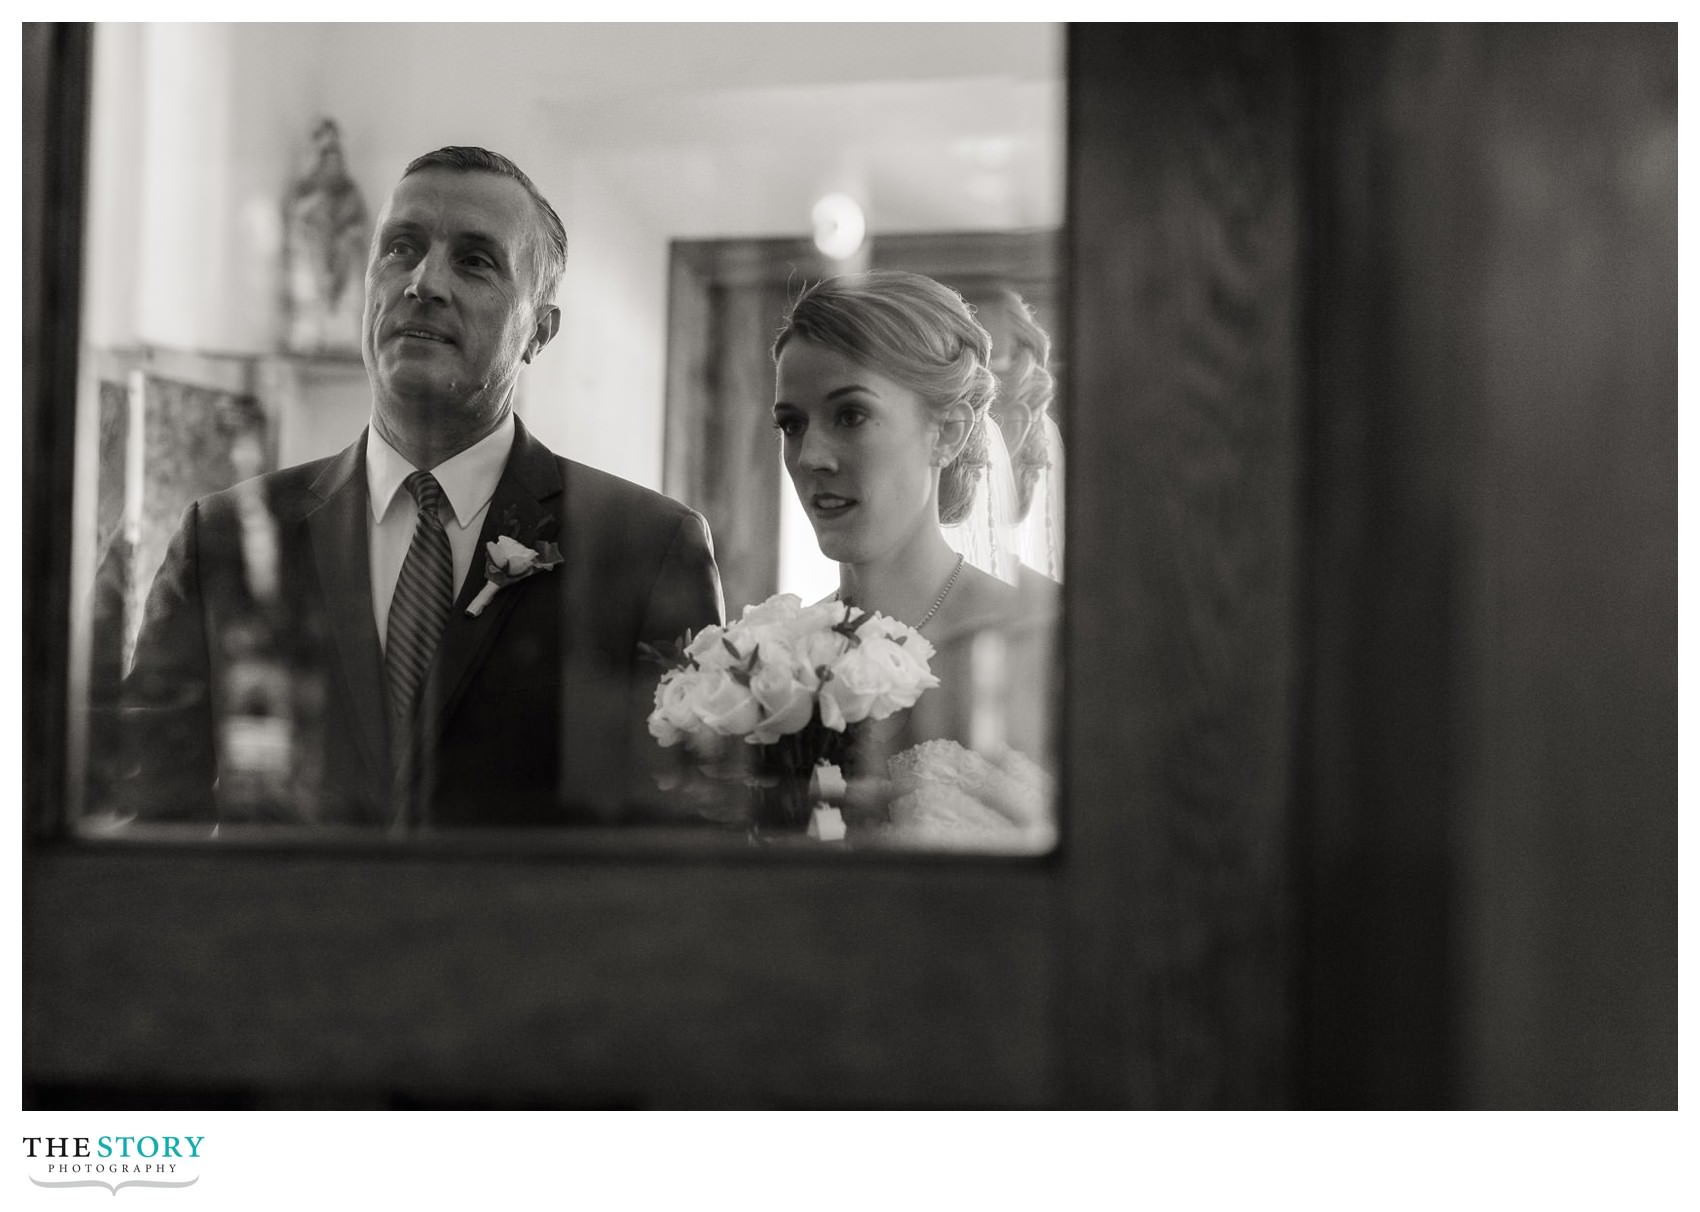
x: 943, y: 594
x: 950, y: 583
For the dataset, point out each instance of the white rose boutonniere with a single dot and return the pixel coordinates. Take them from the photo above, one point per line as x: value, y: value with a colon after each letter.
x: 508, y: 562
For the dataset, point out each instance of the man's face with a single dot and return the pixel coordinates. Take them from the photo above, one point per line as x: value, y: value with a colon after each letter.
x: 451, y: 309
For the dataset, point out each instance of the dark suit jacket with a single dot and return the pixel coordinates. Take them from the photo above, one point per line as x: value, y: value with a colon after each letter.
x: 260, y: 697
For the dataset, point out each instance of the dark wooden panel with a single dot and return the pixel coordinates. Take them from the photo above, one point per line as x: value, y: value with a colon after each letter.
x: 1392, y: 446
x: 745, y: 474
x: 1182, y: 487
x: 688, y: 353
x: 1489, y: 810
x: 289, y: 979
x: 722, y: 456
x: 1569, y: 922
x: 56, y: 59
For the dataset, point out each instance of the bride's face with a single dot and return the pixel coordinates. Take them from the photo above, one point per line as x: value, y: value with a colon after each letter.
x: 858, y: 448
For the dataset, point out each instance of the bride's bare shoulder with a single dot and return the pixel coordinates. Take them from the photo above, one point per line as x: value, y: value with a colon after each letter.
x: 981, y: 601
x: 976, y: 599
x: 1038, y: 598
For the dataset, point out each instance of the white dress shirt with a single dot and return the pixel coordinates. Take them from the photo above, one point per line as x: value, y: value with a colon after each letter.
x: 468, y: 481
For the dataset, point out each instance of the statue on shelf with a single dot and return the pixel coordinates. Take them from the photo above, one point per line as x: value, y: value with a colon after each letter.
x: 326, y: 233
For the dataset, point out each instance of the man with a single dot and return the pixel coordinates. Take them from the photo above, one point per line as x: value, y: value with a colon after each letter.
x: 316, y: 646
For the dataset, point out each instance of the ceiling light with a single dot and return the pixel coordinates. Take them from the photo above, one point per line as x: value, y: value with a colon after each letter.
x: 839, y: 226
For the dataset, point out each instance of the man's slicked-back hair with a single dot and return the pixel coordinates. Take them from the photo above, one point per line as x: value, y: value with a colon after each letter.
x: 551, y: 247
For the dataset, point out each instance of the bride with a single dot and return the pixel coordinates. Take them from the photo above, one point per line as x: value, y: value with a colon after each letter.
x: 883, y: 393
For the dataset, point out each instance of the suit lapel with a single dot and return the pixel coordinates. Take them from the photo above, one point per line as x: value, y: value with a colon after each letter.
x: 338, y: 531
x: 526, y: 506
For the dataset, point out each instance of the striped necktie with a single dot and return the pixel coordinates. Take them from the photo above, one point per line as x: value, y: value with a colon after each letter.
x: 423, y: 594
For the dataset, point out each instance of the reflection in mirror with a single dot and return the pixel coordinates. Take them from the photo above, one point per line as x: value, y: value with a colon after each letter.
x: 786, y: 298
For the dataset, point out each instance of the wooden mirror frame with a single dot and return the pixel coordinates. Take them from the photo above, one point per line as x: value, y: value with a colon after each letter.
x: 433, y: 977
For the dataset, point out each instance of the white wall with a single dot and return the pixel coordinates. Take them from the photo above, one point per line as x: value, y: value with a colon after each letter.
x: 110, y: 253
x: 196, y: 131
x: 598, y: 395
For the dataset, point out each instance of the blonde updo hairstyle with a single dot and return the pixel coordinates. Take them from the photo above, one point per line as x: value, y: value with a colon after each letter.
x: 916, y: 332
x: 1032, y: 388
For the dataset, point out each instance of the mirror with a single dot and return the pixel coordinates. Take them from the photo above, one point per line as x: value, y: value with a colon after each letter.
x: 233, y: 666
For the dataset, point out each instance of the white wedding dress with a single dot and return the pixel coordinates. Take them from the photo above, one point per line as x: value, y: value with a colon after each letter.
x: 967, y: 768
x: 948, y: 797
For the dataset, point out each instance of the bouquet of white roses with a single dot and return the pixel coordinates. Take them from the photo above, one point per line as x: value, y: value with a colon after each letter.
x: 794, y: 681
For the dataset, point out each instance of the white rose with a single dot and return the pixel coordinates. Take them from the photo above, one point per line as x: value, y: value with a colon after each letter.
x: 898, y: 633
x: 708, y: 649
x: 723, y: 705
x: 786, y: 696
x: 766, y: 627
x: 874, y: 679
x: 511, y: 556
x: 849, y: 695
x: 822, y: 616
x: 673, y: 716
x: 770, y: 643
x: 902, y: 674
x: 820, y: 649
x: 777, y: 609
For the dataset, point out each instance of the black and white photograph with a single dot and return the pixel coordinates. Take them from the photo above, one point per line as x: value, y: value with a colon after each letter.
x: 902, y: 566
